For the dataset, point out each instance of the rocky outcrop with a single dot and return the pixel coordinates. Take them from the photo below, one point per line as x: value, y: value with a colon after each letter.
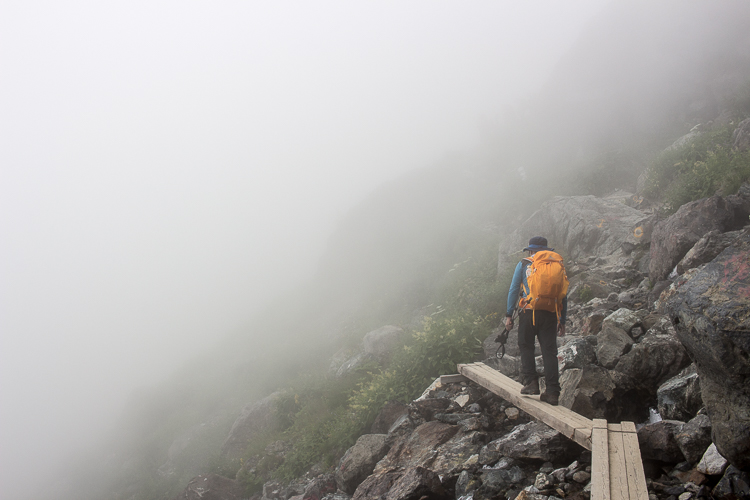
x: 710, y: 308
x: 211, y: 487
x: 741, y: 136
x: 673, y: 237
x: 359, y: 461
x: 379, y: 343
x: 255, y: 419
x: 583, y: 226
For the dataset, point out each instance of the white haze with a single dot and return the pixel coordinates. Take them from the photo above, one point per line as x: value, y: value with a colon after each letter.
x: 167, y: 168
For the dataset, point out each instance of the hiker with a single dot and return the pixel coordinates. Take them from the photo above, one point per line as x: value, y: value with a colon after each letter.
x: 541, y: 318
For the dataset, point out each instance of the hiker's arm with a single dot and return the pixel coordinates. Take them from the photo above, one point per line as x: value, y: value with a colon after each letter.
x: 515, y: 289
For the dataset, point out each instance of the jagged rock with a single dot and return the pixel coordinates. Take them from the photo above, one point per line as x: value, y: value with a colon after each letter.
x: 453, y: 454
x: 706, y: 249
x: 401, y: 427
x: 211, y: 487
x: 466, y: 483
x: 495, y: 482
x: 320, y: 487
x: 379, y: 343
x: 741, y: 136
x: 507, y: 365
x: 255, y: 419
x: 592, y: 323
x: 711, y: 312
x: 534, y: 441
x: 416, y: 483
x: 712, y: 463
x: 576, y: 353
x: 387, y: 416
x: 426, y: 408
x: 339, y: 495
x: 657, y: 441
x: 418, y: 448
x: 582, y: 226
x: 359, y: 461
x: 612, y: 343
x: 662, y: 326
x: 352, y: 364
x: 679, y: 398
x: 625, y: 319
x: 653, y: 360
x: 733, y: 486
x: 674, y: 236
x: 587, y: 391
x: 694, y: 438
x: 376, y: 486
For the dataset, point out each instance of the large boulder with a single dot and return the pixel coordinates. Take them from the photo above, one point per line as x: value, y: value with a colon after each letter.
x: 679, y: 398
x: 694, y: 438
x: 657, y: 441
x: 379, y: 343
x: 255, y: 419
x: 673, y: 237
x: 706, y: 249
x: 417, y: 483
x: 359, y: 461
x: 710, y: 309
x: 211, y: 487
x: 654, y: 360
x: 534, y: 441
x: 417, y: 448
x: 587, y: 391
x: 612, y: 343
x: 582, y: 226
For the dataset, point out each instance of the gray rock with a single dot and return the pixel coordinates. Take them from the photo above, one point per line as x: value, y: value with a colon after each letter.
x: 534, y: 441
x: 741, y: 136
x: 576, y: 353
x: 387, y: 416
x: 734, y: 485
x: 694, y: 438
x: 451, y: 456
x: 417, y: 483
x: 588, y: 391
x: 657, y: 441
x: 625, y: 319
x: 419, y: 448
x: 675, y: 236
x: 706, y: 249
x: 255, y: 419
x: 376, y: 486
x: 359, y: 461
x: 582, y: 226
x: 319, y: 487
x: 352, y: 364
x: 612, y: 343
x: 654, y: 360
x: 466, y: 484
x: 709, y: 308
x: 379, y: 343
x: 211, y: 487
x: 712, y: 463
x: 679, y: 398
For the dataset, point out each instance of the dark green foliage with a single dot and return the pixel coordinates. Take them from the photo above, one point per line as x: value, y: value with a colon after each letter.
x: 701, y: 168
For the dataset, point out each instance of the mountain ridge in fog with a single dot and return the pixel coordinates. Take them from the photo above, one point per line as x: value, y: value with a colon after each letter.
x: 608, y: 108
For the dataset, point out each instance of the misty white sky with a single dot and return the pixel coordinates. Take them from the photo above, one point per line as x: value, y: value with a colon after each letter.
x: 167, y: 168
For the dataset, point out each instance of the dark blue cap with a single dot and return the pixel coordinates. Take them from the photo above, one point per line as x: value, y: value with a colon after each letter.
x: 537, y: 243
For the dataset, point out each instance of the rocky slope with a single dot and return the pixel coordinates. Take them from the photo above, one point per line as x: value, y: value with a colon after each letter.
x: 670, y: 353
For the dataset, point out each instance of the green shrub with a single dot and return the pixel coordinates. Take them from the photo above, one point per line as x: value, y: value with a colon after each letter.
x: 701, y: 168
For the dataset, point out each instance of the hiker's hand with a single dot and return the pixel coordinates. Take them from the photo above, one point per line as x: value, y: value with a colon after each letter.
x: 508, y: 323
x: 561, y: 330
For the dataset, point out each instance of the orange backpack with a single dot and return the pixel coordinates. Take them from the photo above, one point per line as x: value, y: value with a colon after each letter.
x: 547, y: 281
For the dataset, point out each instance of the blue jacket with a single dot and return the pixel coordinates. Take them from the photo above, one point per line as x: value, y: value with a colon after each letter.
x: 516, y: 292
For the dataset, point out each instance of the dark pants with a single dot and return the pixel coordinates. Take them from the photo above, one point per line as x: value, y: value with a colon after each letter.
x: 545, y: 329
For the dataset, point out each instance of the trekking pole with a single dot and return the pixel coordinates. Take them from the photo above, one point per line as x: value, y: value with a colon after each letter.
x: 502, y: 337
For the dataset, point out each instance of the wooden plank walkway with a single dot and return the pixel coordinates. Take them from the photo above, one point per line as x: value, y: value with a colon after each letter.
x: 616, y: 466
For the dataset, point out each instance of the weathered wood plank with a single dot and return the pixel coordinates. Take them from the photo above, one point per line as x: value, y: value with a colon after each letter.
x: 618, y: 483
x: 599, y: 461
x: 572, y: 425
x: 452, y: 379
x: 636, y: 476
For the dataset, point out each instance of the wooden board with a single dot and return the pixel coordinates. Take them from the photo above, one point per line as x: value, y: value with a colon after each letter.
x: 636, y: 477
x: 452, y: 379
x: 567, y: 422
x: 600, y: 461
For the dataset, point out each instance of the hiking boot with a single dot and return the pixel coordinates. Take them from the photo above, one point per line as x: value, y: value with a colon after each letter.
x: 531, y: 388
x: 551, y: 399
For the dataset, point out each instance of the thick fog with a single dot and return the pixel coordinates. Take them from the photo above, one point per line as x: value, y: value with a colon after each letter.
x: 168, y: 168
